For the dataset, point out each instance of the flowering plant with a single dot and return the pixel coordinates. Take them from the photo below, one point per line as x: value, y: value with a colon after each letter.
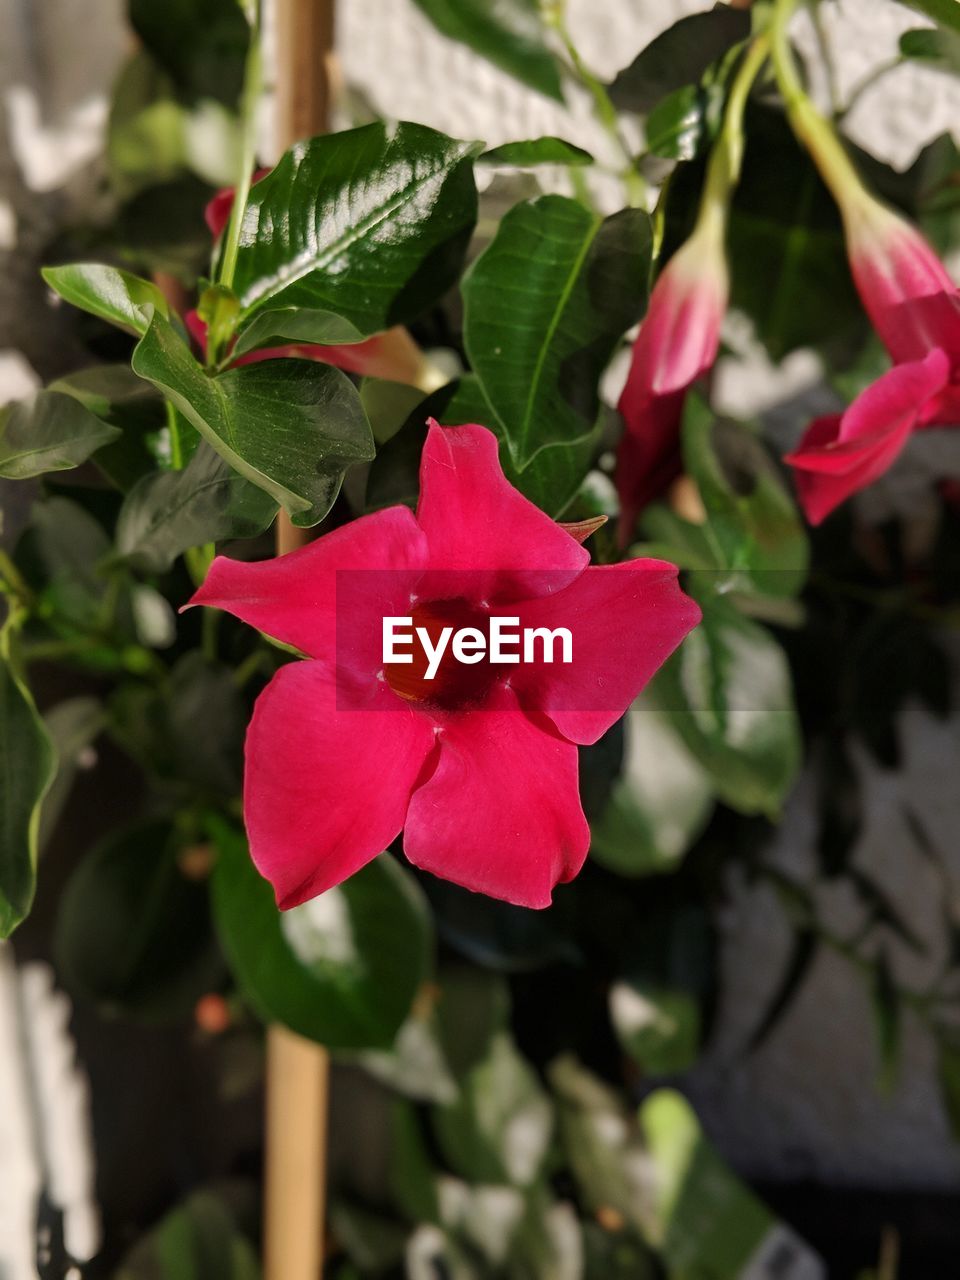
x: 453, y: 415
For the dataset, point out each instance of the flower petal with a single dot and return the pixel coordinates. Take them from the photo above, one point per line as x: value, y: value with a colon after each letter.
x: 625, y: 620
x: 325, y: 790
x: 501, y: 812
x: 840, y: 455
x: 492, y: 538
x: 649, y: 457
x: 293, y: 597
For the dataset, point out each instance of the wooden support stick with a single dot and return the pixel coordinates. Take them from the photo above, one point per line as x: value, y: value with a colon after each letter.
x: 298, y: 1070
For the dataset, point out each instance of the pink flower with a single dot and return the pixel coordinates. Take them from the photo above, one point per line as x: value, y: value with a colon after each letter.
x: 841, y: 454
x: 677, y: 344
x: 911, y: 300
x: 478, y: 768
x: 391, y: 355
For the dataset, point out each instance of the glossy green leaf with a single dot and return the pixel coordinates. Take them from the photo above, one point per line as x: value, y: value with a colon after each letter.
x: 342, y: 969
x: 751, y: 518
x: 545, y: 304
x: 684, y: 123
x: 499, y: 1128
x: 509, y: 33
x: 415, y: 1064
x: 170, y: 511
x: 944, y: 12
x: 52, y: 432
x: 551, y: 480
x: 197, y: 1241
x: 532, y: 152
x: 295, y: 324
x: 290, y: 426
x: 659, y: 1029
x: 132, y: 932
x: 370, y: 224
x: 679, y: 56
x: 114, y: 295
x: 729, y: 691
x: 659, y: 803
x: 27, y: 766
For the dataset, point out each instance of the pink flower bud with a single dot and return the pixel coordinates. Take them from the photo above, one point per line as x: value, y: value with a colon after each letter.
x: 677, y: 344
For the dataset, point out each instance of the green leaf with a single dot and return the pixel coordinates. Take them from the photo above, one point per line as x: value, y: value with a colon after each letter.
x: 341, y: 969
x: 72, y: 726
x: 415, y: 1064
x: 752, y: 519
x: 162, y: 228
x: 69, y: 546
x: 27, y: 766
x: 786, y: 245
x: 544, y: 307
x: 370, y: 224
x: 52, y: 432
x: 114, y: 295
x: 132, y: 932
x: 685, y: 122
x: 157, y: 131
x: 944, y: 12
x: 198, y: 1239
x: 939, y: 48
x: 189, y: 735
x: 290, y: 426
x: 706, y: 1220
x: 659, y: 804
x: 729, y: 691
x: 201, y: 46
x: 602, y: 1144
x: 510, y: 33
x: 536, y: 151
x: 551, y: 480
x: 657, y: 1003
x: 680, y: 56
x: 297, y: 325
x: 169, y: 511
x: 499, y: 1128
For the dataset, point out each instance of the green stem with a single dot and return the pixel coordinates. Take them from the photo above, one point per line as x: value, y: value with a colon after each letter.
x: 248, y: 153
x: 812, y: 129
x: 555, y: 17
x: 173, y: 431
x: 12, y: 580
x: 726, y: 158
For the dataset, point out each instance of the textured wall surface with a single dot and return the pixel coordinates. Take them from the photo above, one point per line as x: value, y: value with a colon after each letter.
x: 805, y: 1104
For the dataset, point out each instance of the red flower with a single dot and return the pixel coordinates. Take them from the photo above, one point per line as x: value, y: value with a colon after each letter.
x: 478, y: 768
x: 842, y: 454
x: 677, y: 344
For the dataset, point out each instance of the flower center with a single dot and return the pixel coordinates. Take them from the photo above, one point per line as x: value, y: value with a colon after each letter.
x: 453, y: 682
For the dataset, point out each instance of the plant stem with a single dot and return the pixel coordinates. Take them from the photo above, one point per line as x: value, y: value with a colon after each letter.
x: 812, y: 129
x: 726, y: 158
x: 248, y: 153
x: 555, y: 16
x: 13, y: 582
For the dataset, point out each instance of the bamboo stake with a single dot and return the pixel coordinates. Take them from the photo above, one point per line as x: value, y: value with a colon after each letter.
x: 298, y: 1070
